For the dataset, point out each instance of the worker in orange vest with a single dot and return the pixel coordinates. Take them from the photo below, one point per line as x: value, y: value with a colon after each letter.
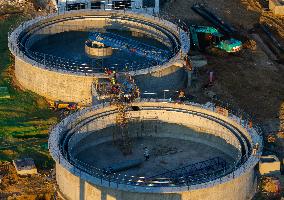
x: 250, y: 124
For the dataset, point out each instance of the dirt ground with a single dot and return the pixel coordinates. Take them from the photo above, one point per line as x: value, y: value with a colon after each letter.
x: 165, y: 154
x: 248, y: 80
x: 38, y: 186
x: 232, y: 11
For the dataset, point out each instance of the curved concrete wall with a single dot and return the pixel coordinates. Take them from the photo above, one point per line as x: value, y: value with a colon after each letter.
x: 54, y: 85
x: 98, y: 51
x: 239, y: 188
x: 76, y: 85
x: 200, y: 130
x: 238, y: 185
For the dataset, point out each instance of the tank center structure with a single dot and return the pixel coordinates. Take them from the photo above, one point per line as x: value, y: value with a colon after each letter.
x: 192, y: 152
x: 64, y: 56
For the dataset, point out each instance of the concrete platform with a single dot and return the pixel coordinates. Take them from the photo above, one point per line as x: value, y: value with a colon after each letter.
x: 165, y: 154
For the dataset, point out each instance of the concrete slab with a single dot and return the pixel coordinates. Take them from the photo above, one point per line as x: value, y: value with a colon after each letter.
x: 165, y: 153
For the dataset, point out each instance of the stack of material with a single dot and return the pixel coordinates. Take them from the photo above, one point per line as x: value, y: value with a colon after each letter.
x: 25, y: 166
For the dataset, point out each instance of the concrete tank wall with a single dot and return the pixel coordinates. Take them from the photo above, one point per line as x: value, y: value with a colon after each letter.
x: 200, y: 130
x: 54, y: 85
x: 78, y: 88
x: 171, y: 78
x: 74, y: 188
x: 75, y: 85
x: 98, y: 51
x: 237, y: 185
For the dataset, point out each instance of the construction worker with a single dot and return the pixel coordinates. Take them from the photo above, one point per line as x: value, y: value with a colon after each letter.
x: 181, y: 95
x: 250, y: 124
x: 255, y: 149
x: 146, y: 153
x: 108, y: 71
x: 137, y: 92
x: 113, y: 81
x: 188, y: 65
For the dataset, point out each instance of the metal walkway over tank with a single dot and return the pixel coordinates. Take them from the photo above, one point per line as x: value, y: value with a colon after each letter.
x: 130, y: 45
x: 193, y: 173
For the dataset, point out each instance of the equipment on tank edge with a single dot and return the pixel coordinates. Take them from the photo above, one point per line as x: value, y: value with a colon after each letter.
x: 58, y: 105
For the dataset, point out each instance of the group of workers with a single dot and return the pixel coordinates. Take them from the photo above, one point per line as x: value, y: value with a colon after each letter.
x: 187, y: 63
x: 124, y: 88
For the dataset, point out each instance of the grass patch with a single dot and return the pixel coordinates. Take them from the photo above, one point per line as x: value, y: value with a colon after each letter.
x: 24, y: 118
x: 6, y: 24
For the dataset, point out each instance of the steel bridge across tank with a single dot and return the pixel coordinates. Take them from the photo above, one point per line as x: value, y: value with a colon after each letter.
x: 193, y: 173
x: 131, y: 45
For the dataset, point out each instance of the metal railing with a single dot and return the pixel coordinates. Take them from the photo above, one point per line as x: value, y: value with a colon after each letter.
x: 193, y: 174
x: 56, y: 63
x: 139, y: 181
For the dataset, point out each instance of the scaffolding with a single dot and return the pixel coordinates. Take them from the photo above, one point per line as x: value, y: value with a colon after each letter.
x: 121, y: 135
x: 122, y: 92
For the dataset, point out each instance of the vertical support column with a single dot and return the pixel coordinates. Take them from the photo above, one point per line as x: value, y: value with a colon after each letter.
x: 88, y: 4
x: 136, y: 4
x: 157, y: 6
x: 189, y: 78
x: 108, y: 5
x: 103, y: 5
x: 61, y: 6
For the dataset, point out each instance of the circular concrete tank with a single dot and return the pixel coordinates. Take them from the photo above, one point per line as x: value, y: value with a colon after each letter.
x: 97, y: 49
x: 195, y: 153
x: 63, y: 78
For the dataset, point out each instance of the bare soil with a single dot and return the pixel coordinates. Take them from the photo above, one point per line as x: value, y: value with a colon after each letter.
x: 248, y: 80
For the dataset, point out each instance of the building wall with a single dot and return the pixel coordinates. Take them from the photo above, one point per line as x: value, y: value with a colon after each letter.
x: 135, y: 5
x: 279, y: 10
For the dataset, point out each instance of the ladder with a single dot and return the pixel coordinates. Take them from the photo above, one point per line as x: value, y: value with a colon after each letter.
x: 121, y: 135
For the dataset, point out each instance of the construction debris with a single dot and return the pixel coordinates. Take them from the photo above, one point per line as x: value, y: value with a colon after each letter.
x: 270, y: 185
x: 33, y: 186
x: 250, y: 44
